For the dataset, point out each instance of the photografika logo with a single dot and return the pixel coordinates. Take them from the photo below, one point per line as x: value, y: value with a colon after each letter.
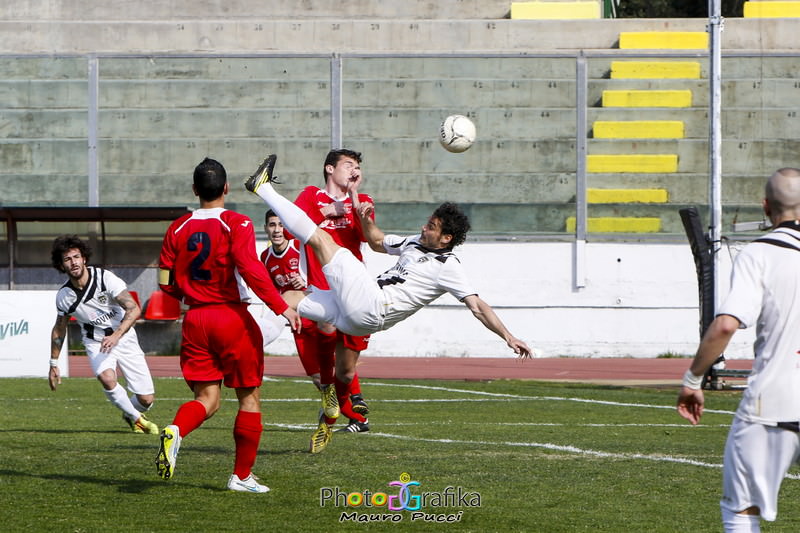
x: 404, y: 499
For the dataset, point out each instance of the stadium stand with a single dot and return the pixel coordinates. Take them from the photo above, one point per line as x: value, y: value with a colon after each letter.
x: 152, y: 106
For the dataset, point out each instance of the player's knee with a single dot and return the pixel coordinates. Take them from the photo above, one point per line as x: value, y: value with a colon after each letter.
x: 146, y: 400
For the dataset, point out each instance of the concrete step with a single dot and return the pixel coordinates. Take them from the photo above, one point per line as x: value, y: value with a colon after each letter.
x: 254, y: 33
x: 182, y: 10
x: 167, y: 155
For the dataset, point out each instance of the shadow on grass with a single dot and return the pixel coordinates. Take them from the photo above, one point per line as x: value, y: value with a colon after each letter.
x: 127, y: 486
x: 28, y: 431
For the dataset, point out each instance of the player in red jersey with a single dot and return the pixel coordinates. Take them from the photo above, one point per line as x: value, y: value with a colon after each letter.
x: 286, y: 264
x: 331, y: 209
x: 205, y: 256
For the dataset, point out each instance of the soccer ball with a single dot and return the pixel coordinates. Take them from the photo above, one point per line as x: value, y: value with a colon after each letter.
x: 457, y: 133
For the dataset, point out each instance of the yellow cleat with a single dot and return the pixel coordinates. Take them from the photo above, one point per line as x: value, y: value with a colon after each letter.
x: 320, y: 438
x: 263, y: 174
x: 168, y: 452
x: 330, y: 403
x: 143, y: 425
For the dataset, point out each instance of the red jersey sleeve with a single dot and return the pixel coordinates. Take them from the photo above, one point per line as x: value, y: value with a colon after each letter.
x: 166, y: 262
x: 243, y: 251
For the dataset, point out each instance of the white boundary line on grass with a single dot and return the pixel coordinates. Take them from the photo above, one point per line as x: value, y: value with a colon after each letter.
x: 512, y: 397
x: 546, y: 446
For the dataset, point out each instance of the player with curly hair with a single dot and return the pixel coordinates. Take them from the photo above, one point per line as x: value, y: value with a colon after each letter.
x: 106, y: 312
x: 357, y: 304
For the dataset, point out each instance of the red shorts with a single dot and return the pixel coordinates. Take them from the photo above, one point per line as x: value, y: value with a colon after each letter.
x: 358, y: 344
x: 222, y: 342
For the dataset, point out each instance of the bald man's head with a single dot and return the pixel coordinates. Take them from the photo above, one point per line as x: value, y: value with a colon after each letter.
x: 783, y: 195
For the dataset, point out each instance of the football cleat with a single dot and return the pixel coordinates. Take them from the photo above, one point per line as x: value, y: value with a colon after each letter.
x: 248, y: 484
x: 330, y: 403
x: 359, y: 405
x: 168, y: 452
x: 320, y: 438
x: 355, y: 427
x: 143, y: 425
x: 262, y: 175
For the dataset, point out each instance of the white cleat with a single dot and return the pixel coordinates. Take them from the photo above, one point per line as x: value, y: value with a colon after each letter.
x: 248, y: 484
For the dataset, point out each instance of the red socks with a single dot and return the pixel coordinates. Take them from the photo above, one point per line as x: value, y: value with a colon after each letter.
x: 189, y: 417
x: 247, y: 434
x: 345, y: 406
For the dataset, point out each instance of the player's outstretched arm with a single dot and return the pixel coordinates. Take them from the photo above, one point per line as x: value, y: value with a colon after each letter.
x: 690, y: 398
x: 57, y: 338
x: 486, y: 315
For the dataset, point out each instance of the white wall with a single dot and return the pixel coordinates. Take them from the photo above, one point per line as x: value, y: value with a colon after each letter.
x: 639, y: 300
x: 26, y: 322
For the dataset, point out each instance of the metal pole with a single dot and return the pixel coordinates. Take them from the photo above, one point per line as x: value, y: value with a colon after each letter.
x: 93, y: 112
x: 336, y: 102
x: 715, y: 139
x: 581, y: 214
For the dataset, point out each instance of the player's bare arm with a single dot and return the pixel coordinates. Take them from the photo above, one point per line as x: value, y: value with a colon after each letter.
x: 132, y: 314
x: 372, y: 233
x: 486, y: 315
x: 57, y: 338
x: 691, y: 400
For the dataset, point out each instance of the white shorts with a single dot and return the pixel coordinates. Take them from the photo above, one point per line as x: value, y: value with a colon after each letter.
x: 270, y: 324
x: 128, y: 355
x: 354, y: 302
x: 757, y: 458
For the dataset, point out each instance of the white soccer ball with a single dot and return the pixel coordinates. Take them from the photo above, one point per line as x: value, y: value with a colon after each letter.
x: 457, y: 133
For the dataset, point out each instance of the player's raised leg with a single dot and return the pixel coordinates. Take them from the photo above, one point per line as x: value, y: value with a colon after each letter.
x: 293, y: 218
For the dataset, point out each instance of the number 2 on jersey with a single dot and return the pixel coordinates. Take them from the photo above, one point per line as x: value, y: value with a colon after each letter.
x: 201, y: 240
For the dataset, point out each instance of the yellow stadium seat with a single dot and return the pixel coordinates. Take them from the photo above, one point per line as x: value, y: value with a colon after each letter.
x: 627, y: 196
x: 659, y: 40
x: 617, y: 224
x: 638, y: 129
x: 628, y: 70
x: 654, y: 98
x: 556, y: 10
x: 632, y: 163
x: 772, y: 9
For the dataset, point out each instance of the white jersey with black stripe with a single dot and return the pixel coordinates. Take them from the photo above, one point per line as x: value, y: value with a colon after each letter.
x: 419, y: 277
x: 94, y: 306
x: 765, y: 292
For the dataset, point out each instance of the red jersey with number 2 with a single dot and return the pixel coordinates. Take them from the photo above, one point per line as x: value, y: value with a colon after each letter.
x: 211, y: 252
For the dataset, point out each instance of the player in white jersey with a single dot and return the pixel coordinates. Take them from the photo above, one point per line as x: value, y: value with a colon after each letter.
x: 764, y: 440
x: 357, y: 304
x: 106, y: 312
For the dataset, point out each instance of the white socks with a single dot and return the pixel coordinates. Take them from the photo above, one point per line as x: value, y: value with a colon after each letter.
x: 120, y: 399
x: 294, y: 218
x: 740, y: 523
x: 138, y: 405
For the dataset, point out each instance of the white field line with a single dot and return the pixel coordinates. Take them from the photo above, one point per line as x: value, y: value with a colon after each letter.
x: 547, y: 446
x: 512, y: 397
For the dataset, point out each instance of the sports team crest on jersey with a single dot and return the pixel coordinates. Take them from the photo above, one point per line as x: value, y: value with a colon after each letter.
x: 103, y: 299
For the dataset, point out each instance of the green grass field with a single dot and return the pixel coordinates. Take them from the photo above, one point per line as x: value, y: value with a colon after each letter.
x: 539, y: 456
